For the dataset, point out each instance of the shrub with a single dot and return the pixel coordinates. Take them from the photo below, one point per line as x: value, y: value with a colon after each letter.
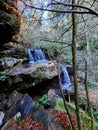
x: 2, y: 76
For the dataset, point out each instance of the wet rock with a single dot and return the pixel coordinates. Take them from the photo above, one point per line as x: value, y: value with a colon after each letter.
x: 28, y: 75
x: 69, y: 69
x: 9, y: 20
x: 70, y: 72
x: 8, y: 62
x: 51, y: 94
x: 70, y: 90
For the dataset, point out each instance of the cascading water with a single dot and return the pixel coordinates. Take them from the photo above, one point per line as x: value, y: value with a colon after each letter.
x: 38, y: 56
x: 30, y: 57
x: 65, y: 77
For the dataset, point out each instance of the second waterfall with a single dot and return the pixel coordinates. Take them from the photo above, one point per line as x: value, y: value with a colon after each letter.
x: 65, y: 78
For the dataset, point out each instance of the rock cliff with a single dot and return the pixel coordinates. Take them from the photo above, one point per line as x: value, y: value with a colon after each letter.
x: 10, y: 20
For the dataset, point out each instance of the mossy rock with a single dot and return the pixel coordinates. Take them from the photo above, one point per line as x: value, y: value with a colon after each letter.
x: 71, y: 107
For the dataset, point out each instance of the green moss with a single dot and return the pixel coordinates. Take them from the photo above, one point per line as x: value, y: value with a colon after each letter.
x: 59, y: 105
x: 71, y: 107
x: 96, y: 127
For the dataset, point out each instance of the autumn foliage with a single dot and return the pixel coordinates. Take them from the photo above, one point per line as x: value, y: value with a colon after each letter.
x: 58, y: 121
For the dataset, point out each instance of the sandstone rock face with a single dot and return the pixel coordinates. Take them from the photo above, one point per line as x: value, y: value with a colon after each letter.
x: 14, y: 50
x: 28, y: 75
x: 8, y: 62
x: 9, y: 20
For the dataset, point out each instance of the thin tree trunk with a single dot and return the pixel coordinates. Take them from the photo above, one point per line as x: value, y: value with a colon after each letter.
x: 88, y: 66
x: 87, y: 96
x: 64, y: 100
x: 88, y: 50
x: 74, y: 36
x: 88, y: 63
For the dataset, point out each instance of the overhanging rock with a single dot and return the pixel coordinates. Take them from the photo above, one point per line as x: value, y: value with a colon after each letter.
x: 28, y: 75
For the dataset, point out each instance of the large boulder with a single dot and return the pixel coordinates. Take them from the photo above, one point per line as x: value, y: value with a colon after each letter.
x: 24, y: 104
x: 17, y: 103
x: 28, y: 75
x: 9, y: 20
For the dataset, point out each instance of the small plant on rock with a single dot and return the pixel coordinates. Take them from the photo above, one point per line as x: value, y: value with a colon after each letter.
x: 43, y: 102
x: 2, y: 76
x: 96, y: 114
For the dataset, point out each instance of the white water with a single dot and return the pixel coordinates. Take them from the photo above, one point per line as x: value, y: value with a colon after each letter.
x: 38, y: 56
x: 30, y: 57
x: 65, y: 77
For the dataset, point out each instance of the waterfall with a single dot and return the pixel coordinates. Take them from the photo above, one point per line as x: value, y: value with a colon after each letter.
x: 30, y: 57
x: 65, y: 77
x: 38, y: 56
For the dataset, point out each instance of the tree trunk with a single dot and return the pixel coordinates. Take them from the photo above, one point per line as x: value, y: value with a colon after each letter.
x: 88, y: 50
x: 74, y: 36
x: 87, y: 96
x: 88, y: 64
x: 64, y: 100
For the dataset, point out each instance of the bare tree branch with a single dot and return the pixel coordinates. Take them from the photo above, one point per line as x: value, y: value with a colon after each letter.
x: 93, y: 3
x: 89, y: 11
x: 53, y: 41
x: 79, y: 6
